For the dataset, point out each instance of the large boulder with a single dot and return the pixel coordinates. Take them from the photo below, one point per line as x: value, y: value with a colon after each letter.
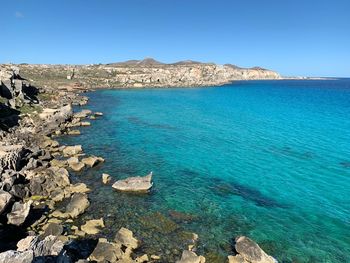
x: 134, y: 184
x: 50, y: 246
x: 190, y: 257
x: 5, y: 200
x: 249, y: 252
x: 19, y: 213
x: 53, y: 118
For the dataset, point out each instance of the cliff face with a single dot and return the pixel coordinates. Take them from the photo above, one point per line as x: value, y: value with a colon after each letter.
x: 145, y: 73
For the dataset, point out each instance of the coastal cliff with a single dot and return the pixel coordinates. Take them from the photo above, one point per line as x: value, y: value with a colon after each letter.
x: 142, y: 73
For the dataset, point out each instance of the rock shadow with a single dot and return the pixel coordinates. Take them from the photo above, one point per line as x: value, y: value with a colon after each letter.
x: 8, y: 117
x: 138, y: 121
x: 224, y: 188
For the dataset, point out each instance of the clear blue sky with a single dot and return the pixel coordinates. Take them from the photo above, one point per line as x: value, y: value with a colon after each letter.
x: 294, y: 37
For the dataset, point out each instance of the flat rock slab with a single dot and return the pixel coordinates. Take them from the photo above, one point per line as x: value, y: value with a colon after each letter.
x: 92, y: 227
x: 134, y: 184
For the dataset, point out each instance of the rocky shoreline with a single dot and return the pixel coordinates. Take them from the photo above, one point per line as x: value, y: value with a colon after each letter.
x: 39, y: 203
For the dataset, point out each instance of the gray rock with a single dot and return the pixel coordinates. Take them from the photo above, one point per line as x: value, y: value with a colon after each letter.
x: 50, y: 246
x: 5, y: 200
x: 19, y: 190
x: 134, y: 184
x: 19, y: 213
x: 12, y: 256
x: 53, y: 118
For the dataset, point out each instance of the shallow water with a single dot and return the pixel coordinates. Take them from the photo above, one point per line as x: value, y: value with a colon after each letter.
x: 266, y: 159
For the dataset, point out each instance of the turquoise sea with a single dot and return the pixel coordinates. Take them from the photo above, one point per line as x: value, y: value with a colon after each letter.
x: 265, y: 159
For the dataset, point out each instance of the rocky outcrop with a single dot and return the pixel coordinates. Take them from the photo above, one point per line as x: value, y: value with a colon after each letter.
x: 52, y: 118
x: 249, y: 252
x: 134, y: 184
x: 14, y: 89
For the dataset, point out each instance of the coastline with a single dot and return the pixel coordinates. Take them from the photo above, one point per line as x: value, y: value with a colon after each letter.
x: 36, y: 180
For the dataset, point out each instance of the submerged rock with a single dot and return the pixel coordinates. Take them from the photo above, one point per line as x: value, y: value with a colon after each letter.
x: 19, y: 213
x: 249, y: 252
x: 134, y: 184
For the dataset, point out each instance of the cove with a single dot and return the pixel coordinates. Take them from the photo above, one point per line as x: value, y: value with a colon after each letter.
x: 265, y: 159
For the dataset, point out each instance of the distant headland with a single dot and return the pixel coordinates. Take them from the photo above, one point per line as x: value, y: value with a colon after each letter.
x: 141, y: 73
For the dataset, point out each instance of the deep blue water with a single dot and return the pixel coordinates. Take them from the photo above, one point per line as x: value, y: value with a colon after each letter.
x: 266, y: 159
